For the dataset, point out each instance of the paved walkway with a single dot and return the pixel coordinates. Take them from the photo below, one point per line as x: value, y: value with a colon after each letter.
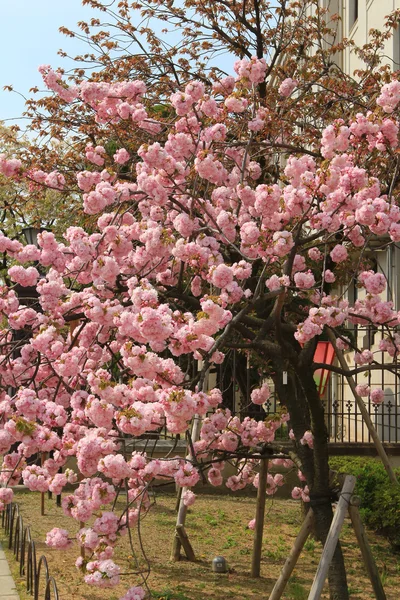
x: 8, y: 590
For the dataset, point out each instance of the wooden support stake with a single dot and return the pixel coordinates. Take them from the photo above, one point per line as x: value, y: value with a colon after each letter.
x: 82, y: 525
x: 178, y: 499
x: 58, y: 497
x: 183, y: 538
x: 366, y: 553
x: 182, y: 511
x: 260, y: 510
x: 331, y: 542
x: 332, y: 539
x: 365, y: 415
x: 293, y: 557
x: 176, y: 548
x: 42, y: 460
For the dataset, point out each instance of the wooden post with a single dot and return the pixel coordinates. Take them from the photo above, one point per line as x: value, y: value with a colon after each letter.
x: 58, y: 497
x: 178, y: 499
x: 293, y: 556
x: 181, y: 533
x: 366, y: 553
x: 182, y: 511
x: 82, y: 525
x: 365, y: 415
x: 259, y: 527
x: 176, y: 547
x: 42, y: 460
x: 332, y: 539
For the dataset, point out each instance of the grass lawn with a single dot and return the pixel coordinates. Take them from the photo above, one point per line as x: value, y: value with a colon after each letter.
x: 216, y: 525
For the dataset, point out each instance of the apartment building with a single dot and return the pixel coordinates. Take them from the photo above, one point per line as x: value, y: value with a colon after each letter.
x: 358, y: 17
x: 345, y: 424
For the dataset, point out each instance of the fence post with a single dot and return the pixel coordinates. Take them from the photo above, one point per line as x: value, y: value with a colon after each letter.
x: 259, y: 526
x: 25, y: 550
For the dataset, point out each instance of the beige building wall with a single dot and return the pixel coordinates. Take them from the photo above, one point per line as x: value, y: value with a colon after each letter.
x: 358, y: 18
x: 344, y: 419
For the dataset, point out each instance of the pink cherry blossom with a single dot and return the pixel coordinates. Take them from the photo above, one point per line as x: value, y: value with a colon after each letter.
x: 25, y: 277
x: 339, y: 253
x: 390, y: 96
x: 189, y: 498
x: 121, y: 156
x: 304, y: 280
x: 58, y: 538
x: 374, y: 283
x: 377, y: 396
x: 287, y: 86
x: 307, y: 439
x: 6, y: 495
x: 103, y: 573
x: 329, y: 276
x: 9, y: 167
x: 134, y: 593
x: 363, y: 389
x: 260, y: 395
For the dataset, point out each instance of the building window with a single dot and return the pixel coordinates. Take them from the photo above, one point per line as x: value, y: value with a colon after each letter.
x: 353, y: 12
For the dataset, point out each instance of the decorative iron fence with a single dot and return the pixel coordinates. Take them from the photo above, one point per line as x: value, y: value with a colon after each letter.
x: 23, y: 546
x: 236, y: 378
x: 342, y: 415
x: 344, y: 421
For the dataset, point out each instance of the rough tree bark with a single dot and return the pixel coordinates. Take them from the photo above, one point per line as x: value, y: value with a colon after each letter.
x: 301, y: 397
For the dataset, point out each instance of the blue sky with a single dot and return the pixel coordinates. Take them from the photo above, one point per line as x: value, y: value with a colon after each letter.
x: 29, y: 37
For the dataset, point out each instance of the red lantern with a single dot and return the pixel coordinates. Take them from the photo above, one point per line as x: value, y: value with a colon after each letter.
x: 324, y: 353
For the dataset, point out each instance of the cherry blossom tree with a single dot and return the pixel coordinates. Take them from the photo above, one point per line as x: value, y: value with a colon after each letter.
x: 196, y: 246
x: 24, y: 203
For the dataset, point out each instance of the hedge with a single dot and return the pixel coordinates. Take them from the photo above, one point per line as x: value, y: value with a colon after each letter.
x: 380, y: 499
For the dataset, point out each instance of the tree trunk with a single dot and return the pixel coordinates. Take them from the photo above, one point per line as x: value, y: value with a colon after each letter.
x: 320, y: 491
x: 301, y: 397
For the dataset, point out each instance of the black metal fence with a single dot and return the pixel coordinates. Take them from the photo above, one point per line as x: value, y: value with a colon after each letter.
x: 236, y: 378
x: 39, y: 583
x: 344, y: 419
x: 342, y: 415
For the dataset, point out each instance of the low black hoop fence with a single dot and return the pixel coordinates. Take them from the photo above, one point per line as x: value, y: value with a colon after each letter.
x: 36, y: 572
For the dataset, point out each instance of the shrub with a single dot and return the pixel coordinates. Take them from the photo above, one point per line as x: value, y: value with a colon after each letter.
x: 380, y: 499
